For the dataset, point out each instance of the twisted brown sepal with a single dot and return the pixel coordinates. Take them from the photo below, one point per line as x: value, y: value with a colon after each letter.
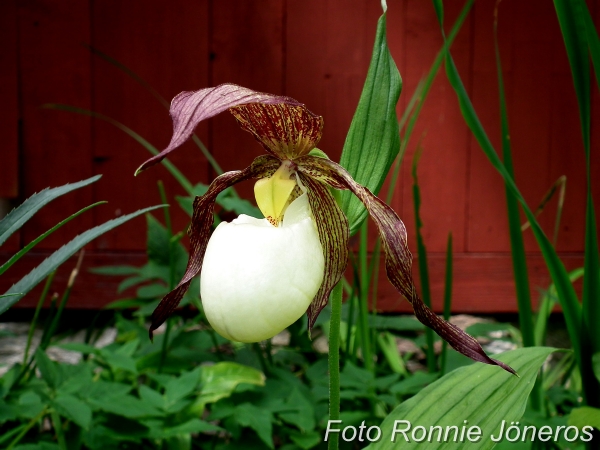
x: 332, y: 226
x: 398, y: 259
x: 199, y: 231
x: 190, y: 108
x: 285, y: 130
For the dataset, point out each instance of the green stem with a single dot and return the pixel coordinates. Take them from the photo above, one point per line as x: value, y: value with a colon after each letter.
x: 36, y: 315
x: 60, y: 435
x: 24, y: 431
x: 334, y: 362
x: 165, y: 345
x: 447, y: 299
x: 364, y: 298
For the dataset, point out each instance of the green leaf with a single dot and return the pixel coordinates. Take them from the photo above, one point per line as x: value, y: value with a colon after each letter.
x: 566, y: 292
x: 308, y: 440
x: 303, y: 415
x: 125, y: 405
x: 373, y: 141
x: 73, y: 409
x: 258, y: 419
x: 152, y: 397
x: 21, y: 214
x: 191, y: 426
x: 596, y: 365
x: 585, y: 416
x: 43, y: 236
x: 47, y: 368
x: 29, y: 281
x: 517, y: 245
x: 118, y: 361
x: 180, y: 387
x: 220, y: 380
x: 479, y: 394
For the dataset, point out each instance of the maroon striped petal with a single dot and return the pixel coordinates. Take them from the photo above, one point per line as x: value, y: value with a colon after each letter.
x: 398, y: 259
x: 190, y: 108
x: 332, y: 226
x: 199, y: 231
x: 285, y: 130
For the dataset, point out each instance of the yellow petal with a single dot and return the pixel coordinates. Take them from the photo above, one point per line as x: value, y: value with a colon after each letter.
x: 273, y: 193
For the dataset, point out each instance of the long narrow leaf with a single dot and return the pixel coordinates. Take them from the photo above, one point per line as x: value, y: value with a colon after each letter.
x: 580, y: 36
x: 422, y: 254
x: 21, y: 214
x: 517, y: 245
x: 43, y: 236
x: 420, y: 95
x: 373, y: 141
x: 558, y: 273
x: 29, y: 281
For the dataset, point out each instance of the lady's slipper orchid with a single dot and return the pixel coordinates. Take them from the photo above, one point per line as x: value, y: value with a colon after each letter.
x: 260, y: 276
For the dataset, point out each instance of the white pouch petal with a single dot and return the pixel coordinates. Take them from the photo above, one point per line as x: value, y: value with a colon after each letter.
x: 258, y: 279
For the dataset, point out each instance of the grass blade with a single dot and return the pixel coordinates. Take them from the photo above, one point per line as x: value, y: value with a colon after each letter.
x: 29, y: 281
x: 22, y: 213
x: 447, y: 299
x: 517, y: 245
x: 566, y: 292
x: 580, y: 36
x: 422, y: 255
x: 41, y: 237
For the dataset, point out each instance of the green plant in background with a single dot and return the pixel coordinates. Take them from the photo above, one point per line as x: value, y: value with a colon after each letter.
x: 581, y: 41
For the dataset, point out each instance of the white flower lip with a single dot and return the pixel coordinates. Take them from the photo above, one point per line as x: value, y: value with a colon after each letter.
x: 258, y: 279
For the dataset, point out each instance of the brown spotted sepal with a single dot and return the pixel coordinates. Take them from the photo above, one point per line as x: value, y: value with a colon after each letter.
x: 285, y: 130
x: 398, y: 259
x: 188, y: 109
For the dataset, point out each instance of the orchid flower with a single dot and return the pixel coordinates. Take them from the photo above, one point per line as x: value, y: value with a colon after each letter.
x: 259, y: 276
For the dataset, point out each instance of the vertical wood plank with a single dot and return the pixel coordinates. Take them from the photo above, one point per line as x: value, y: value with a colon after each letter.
x: 440, y: 130
x: 328, y: 66
x: 9, y: 113
x: 247, y: 48
x: 166, y: 45
x: 54, y: 67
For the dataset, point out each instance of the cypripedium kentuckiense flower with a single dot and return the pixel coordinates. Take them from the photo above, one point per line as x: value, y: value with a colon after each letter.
x: 259, y: 276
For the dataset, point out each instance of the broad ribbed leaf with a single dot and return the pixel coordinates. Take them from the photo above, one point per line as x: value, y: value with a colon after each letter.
x: 21, y: 214
x: 333, y: 234
x: 199, y: 231
x: 190, y: 108
x: 477, y: 394
x: 373, y: 141
x: 398, y: 259
x: 29, y: 281
x: 285, y: 130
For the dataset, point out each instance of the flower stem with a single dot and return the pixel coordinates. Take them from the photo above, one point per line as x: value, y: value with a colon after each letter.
x: 334, y: 361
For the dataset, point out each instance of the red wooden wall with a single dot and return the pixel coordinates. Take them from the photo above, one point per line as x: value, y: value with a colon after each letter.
x: 318, y: 52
